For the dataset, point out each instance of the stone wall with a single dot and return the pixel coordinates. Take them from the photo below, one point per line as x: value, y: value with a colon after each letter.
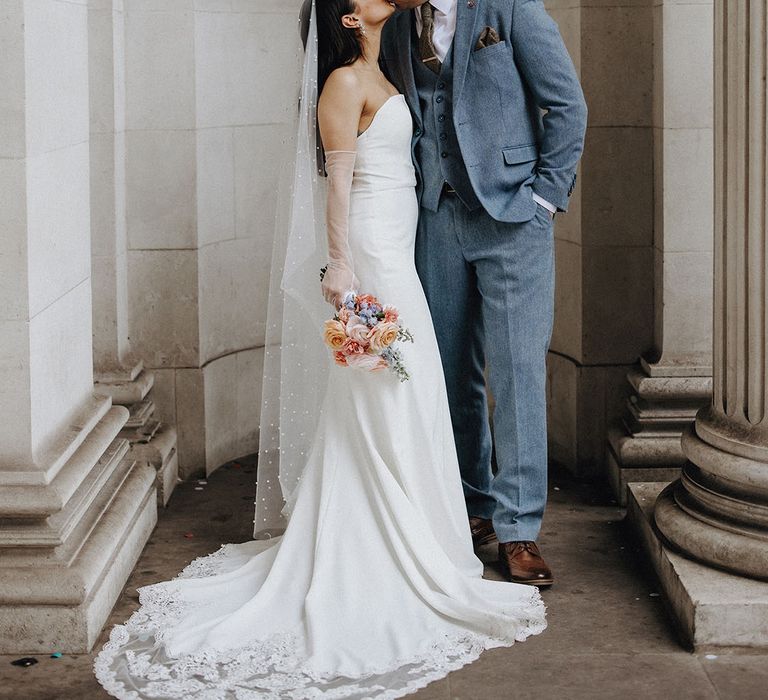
x: 211, y: 92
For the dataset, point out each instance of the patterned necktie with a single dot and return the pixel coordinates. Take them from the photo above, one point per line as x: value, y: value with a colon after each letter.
x: 426, y: 47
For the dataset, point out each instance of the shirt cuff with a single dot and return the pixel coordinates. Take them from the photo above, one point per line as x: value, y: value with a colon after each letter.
x: 544, y: 203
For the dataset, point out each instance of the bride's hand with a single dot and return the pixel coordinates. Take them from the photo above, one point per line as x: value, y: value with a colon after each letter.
x: 337, y: 281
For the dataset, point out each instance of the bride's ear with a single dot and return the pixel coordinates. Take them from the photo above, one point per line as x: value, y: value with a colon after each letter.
x: 350, y: 22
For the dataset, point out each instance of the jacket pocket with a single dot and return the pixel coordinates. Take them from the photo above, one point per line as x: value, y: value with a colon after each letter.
x: 520, y: 154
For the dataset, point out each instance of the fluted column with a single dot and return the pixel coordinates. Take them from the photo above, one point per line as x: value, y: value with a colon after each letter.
x: 718, y: 511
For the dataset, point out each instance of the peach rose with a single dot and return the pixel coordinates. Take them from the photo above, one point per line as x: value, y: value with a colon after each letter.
x: 382, y: 336
x: 340, y: 358
x: 343, y: 315
x: 334, y: 334
x: 370, y: 363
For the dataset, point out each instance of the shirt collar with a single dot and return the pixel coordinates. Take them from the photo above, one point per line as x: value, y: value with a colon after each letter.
x: 443, y: 6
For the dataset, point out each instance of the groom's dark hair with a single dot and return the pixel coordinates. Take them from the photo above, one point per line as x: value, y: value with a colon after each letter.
x: 337, y: 45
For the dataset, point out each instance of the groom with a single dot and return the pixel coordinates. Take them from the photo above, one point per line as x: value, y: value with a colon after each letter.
x: 499, y: 128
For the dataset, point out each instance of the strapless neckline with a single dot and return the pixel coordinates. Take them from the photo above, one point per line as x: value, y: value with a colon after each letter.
x: 378, y: 111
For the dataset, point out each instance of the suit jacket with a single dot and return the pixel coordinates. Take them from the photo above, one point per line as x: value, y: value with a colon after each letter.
x: 518, y: 108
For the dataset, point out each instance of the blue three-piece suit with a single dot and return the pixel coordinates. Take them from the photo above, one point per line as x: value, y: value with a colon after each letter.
x: 495, y: 125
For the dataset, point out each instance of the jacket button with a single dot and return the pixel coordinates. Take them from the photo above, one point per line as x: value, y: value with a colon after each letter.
x: 441, y: 118
x: 443, y: 155
x: 439, y: 99
x: 417, y: 132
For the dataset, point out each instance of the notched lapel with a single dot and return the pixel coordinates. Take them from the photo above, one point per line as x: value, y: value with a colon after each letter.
x: 403, y: 38
x: 466, y: 19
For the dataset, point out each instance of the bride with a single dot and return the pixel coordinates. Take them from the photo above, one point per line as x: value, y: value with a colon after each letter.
x: 373, y: 590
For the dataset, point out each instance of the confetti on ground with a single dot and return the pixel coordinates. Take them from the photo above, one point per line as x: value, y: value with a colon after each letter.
x: 56, y: 655
x: 654, y: 595
x: 188, y: 535
x: 711, y: 656
x: 199, y: 488
x: 204, y: 483
x: 25, y: 662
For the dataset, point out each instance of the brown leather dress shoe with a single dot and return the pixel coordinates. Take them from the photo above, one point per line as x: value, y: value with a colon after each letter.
x: 482, y: 531
x: 522, y: 562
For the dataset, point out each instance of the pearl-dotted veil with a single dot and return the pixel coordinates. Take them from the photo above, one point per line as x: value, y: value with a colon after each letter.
x: 296, y: 363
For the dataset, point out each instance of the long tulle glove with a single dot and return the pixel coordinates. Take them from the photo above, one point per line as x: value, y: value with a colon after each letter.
x: 339, y: 277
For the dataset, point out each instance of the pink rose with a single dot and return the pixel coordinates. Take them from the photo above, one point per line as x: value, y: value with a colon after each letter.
x: 357, y: 330
x: 352, y: 347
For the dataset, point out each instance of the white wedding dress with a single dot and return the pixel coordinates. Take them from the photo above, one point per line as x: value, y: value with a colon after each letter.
x: 374, y: 590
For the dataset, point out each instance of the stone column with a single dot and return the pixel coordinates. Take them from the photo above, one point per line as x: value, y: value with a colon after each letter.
x: 673, y: 378
x: 118, y: 372
x: 75, y: 508
x: 718, y: 511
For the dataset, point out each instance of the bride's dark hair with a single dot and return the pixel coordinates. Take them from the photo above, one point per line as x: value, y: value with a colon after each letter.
x: 337, y: 45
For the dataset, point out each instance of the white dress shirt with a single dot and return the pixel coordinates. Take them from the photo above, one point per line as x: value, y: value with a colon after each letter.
x: 442, y: 36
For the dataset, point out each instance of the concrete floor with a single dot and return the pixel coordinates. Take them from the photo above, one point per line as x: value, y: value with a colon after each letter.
x: 609, y: 635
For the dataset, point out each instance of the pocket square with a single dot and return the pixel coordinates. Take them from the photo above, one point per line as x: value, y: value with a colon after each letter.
x: 489, y: 37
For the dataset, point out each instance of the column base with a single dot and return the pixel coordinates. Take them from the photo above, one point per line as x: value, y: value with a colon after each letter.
x: 712, y: 608
x: 665, y: 397
x: 126, y: 385
x: 631, y: 458
x: 151, y: 440
x: 160, y: 452
x: 68, y: 544
x: 48, y: 606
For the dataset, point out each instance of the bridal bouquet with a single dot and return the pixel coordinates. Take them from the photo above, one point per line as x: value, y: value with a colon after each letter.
x: 362, y: 335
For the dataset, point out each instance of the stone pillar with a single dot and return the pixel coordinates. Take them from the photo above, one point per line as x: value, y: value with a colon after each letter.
x: 718, y: 511
x: 673, y: 379
x: 119, y: 373
x: 75, y: 508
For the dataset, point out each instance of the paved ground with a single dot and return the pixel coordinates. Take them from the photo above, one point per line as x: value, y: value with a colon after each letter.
x: 609, y: 636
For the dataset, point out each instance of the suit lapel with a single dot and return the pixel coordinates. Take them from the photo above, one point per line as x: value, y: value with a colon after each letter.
x: 404, y: 31
x: 466, y: 17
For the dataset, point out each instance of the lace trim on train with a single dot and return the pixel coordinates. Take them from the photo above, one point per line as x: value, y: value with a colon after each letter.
x: 269, y: 669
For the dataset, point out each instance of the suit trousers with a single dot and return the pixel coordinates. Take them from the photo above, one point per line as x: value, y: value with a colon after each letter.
x: 490, y: 288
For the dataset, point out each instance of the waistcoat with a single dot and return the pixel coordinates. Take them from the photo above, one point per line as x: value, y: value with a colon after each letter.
x: 438, y: 148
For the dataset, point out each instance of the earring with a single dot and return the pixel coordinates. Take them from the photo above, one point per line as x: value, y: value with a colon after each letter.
x: 360, y: 27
